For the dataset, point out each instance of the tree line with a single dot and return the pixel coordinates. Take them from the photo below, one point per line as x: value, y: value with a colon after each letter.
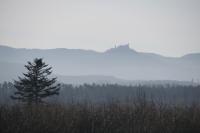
x: 37, y: 87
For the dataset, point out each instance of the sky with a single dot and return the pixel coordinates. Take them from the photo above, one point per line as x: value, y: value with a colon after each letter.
x: 166, y: 27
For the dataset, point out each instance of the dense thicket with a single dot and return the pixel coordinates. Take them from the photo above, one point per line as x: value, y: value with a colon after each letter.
x: 138, y: 117
x: 105, y: 109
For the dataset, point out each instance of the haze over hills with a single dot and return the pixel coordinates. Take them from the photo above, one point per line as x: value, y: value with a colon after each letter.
x: 114, y: 64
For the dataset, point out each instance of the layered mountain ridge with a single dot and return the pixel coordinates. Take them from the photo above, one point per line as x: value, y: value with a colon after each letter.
x: 121, y: 62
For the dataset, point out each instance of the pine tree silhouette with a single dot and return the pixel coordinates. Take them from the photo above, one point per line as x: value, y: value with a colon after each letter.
x: 36, y: 85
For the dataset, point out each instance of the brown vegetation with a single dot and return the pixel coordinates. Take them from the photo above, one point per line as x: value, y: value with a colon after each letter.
x: 133, y: 117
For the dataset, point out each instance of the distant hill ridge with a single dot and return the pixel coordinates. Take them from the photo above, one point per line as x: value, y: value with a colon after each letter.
x: 123, y: 49
x: 121, y: 62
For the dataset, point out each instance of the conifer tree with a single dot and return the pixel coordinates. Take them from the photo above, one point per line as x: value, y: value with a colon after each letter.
x: 35, y: 85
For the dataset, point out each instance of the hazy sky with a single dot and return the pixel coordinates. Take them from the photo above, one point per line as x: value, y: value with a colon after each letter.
x: 167, y: 27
